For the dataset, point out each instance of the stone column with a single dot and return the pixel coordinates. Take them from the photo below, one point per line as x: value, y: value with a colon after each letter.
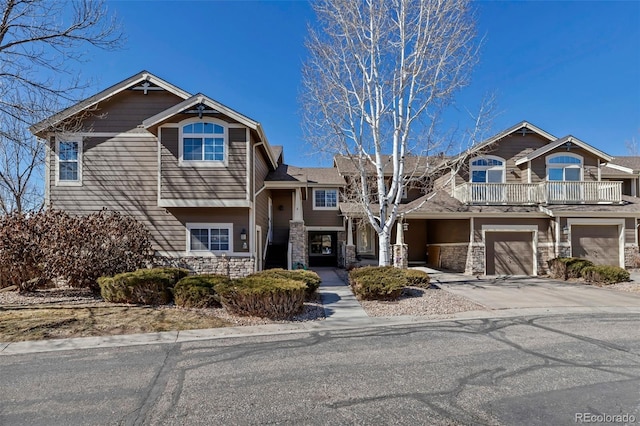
x: 400, y: 256
x: 350, y: 249
x: 298, y: 240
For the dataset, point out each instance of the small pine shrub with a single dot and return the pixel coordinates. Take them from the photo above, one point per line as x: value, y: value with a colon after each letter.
x: 567, y: 267
x: 198, y: 291
x: 576, y: 266
x: 378, y: 282
x: 309, y: 278
x: 602, y: 274
x: 268, y: 297
x: 417, y: 278
x: 142, y: 287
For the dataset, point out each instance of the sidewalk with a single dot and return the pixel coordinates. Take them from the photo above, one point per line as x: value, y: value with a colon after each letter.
x: 341, y: 308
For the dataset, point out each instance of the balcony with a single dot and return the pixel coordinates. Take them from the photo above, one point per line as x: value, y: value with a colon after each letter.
x: 592, y: 192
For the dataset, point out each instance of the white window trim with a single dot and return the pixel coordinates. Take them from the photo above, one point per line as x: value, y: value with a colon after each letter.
x: 201, y: 225
x: 564, y: 165
x: 503, y: 167
x: 68, y: 138
x: 326, y: 208
x: 203, y: 163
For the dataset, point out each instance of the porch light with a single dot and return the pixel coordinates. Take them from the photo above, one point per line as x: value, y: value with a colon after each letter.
x: 405, y: 226
x: 243, y: 234
x: 565, y: 230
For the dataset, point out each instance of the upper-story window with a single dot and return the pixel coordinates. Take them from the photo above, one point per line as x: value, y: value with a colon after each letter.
x: 488, y: 169
x: 325, y: 199
x: 69, y: 161
x: 203, y: 143
x: 564, y: 167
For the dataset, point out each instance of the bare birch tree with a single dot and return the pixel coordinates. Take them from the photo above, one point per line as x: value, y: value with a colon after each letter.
x: 378, y: 76
x: 40, y: 43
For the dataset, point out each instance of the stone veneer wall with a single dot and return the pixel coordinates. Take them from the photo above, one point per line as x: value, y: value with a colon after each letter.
x: 350, y: 255
x: 454, y: 258
x: 475, y: 259
x: 233, y: 267
x: 545, y: 254
x: 298, y: 239
x: 400, y: 253
x: 631, y: 256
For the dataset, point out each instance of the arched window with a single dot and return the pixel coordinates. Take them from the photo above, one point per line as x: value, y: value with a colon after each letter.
x: 203, y: 142
x: 564, y: 167
x: 488, y: 169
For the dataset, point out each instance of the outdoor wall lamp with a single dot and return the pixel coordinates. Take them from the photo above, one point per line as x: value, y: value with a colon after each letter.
x: 405, y: 226
x: 243, y: 237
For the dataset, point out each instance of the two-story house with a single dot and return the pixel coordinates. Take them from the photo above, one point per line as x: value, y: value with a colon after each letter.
x: 202, y: 177
x: 218, y: 197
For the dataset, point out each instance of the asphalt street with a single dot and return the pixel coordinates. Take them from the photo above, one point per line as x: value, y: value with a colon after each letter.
x: 525, y: 370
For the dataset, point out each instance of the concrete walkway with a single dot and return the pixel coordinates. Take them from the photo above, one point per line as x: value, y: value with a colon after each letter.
x: 340, y: 305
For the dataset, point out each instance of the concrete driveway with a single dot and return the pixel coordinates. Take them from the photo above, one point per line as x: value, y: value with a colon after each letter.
x: 532, y: 292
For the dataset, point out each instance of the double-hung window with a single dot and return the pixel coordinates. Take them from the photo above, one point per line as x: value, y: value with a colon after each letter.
x: 203, y: 143
x: 209, y: 237
x: 69, y: 162
x: 326, y: 199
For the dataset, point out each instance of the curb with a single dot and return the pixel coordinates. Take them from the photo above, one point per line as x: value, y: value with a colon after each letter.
x: 184, y: 336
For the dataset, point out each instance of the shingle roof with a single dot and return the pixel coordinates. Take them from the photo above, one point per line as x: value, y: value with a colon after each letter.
x: 629, y: 205
x: 441, y: 202
x: 630, y: 162
x: 347, y: 165
x: 309, y: 175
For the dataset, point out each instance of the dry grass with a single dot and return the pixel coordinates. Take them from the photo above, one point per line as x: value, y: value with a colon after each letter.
x: 18, y: 323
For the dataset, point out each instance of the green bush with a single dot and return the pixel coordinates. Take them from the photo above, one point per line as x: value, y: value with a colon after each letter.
x: 567, y: 267
x: 143, y: 287
x: 602, y: 274
x: 576, y: 266
x: 378, y: 282
x: 309, y: 278
x: 270, y: 297
x: 198, y: 291
x: 417, y: 278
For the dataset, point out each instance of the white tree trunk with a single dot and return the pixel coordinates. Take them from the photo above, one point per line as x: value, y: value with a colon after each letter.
x: 384, y: 243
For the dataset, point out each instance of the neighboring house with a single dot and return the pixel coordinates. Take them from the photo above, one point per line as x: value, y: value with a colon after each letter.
x: 527, y: 197
x: 217, y: 197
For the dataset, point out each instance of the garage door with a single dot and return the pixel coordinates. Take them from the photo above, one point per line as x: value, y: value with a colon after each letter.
x: 597, y: 243
x: 509, y: 253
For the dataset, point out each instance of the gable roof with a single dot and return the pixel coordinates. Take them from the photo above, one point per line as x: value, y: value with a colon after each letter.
x: 200, y: 99
x: 528, y: 128
x: 565, y: 140
x: 140, y: 77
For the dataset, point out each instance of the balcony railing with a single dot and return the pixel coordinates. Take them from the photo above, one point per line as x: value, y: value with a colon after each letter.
x: 592, y: 192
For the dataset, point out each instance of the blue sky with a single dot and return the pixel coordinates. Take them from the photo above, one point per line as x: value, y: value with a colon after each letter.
x: 567, y: 67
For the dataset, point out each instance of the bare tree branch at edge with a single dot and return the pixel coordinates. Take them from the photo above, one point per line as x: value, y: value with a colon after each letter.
x: 40, y: 42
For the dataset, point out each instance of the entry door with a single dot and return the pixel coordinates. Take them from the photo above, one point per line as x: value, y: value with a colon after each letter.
x: 509, y: 253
